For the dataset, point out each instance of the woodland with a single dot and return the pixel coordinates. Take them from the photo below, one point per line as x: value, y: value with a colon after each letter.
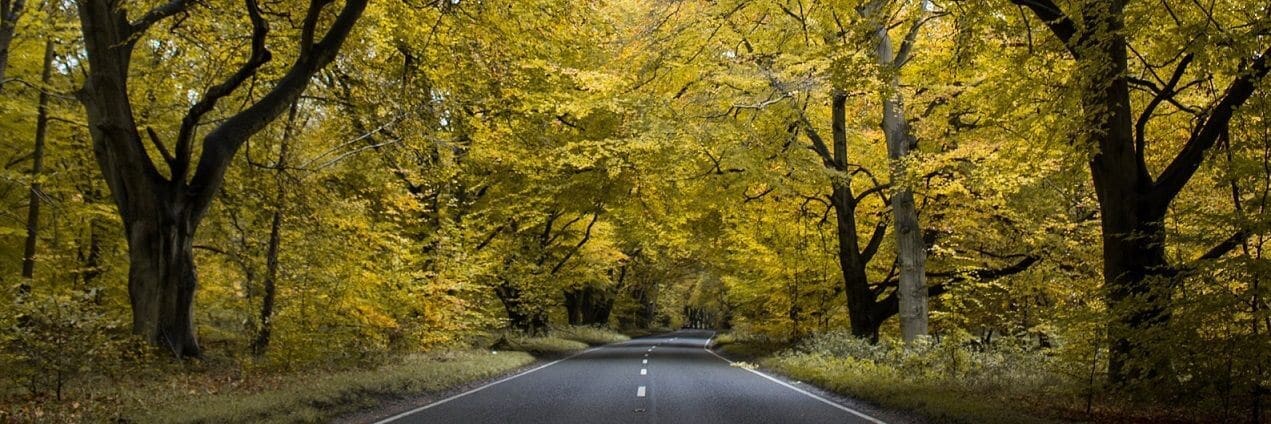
x: 978, y: 210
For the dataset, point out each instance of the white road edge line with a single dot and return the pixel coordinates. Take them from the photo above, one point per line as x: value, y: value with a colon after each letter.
x: 862, y: 415
x: 640, y: 392
x: 416, y: 410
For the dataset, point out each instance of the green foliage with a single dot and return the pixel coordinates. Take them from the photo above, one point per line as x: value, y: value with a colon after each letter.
x: 52, y: 341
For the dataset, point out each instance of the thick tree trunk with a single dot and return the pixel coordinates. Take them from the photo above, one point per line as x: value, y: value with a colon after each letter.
x: 1137, y: 275
x: 37, y: 168
x: 160, y: 213
x: 161, y: 276
x: 911, y: 252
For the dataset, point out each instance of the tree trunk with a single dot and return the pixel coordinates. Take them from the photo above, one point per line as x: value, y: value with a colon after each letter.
x: 275, y: 238
x: 37, y: 168
x: 588, y: 306
x: 861, y: 302
x: 574, y: 306
x: 10, y: 11
x: 161, y: 276
x: 911, y: 251
x: 1137, y: 275
x: 521, y: 317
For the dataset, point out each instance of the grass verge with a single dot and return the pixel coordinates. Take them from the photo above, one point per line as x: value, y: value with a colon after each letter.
x: 885, y: 387
x: 594, y: 336
x: 321, y: 398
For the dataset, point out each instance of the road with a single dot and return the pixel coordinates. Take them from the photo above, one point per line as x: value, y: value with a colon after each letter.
x: 671, y: 378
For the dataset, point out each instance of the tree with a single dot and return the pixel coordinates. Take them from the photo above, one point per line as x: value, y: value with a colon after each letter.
x: 162, y: 212
x: 1134, y: 203
x: 37, y: 167
x: 911, y: 250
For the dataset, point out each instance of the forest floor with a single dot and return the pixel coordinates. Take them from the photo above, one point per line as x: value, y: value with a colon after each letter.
x: 224, y: 390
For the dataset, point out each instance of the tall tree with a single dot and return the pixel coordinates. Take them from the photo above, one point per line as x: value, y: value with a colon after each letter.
x: 1133, y: 203
x: 911, y: 250
x: 37, y: 168
x: 161, y: 212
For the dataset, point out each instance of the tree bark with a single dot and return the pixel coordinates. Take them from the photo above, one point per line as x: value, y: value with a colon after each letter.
x: 161, y: 275
x: 10, y: 11
x: 37, y: 168
x: 911, y: 252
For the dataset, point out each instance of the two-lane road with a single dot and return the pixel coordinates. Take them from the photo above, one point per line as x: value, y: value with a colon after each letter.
x: 670, y: 378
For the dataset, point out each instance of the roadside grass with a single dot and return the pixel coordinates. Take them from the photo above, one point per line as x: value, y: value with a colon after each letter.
x: 541, y: 346
x: 747, y: 346
x: 939, y: 400
x: 641, y: 332
x: 218, y: 391
x: 943, y: 382
x: 308, y: 398
x: 593, y: 336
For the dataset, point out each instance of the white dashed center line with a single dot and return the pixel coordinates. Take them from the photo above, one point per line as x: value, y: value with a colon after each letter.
x: 644, y: 361
x: 644, y: 371
x: 640, y: 392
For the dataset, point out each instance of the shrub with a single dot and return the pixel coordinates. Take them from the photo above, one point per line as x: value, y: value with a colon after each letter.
x: 53, y: 340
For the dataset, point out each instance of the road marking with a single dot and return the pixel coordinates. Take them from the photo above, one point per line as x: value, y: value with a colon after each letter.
x: 644, y: 371
x: 640, y: 392
x: 644, y: 361
x: 416, y: 410
x: 862, y: 415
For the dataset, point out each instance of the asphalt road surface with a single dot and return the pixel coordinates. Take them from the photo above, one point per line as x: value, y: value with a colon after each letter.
x: 671, y: 378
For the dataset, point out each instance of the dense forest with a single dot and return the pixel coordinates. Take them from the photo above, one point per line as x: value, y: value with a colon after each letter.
x: 946, y: 206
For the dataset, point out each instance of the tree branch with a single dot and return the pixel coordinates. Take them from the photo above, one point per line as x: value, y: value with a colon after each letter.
x: 875, y: 240
x: 220, y: 145
x: 157, y: 14
x: 579, y: 246
x: 1059, y: 23
x: 258, y: 57
x: 1207, y: 132
x: 1140, y: 127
